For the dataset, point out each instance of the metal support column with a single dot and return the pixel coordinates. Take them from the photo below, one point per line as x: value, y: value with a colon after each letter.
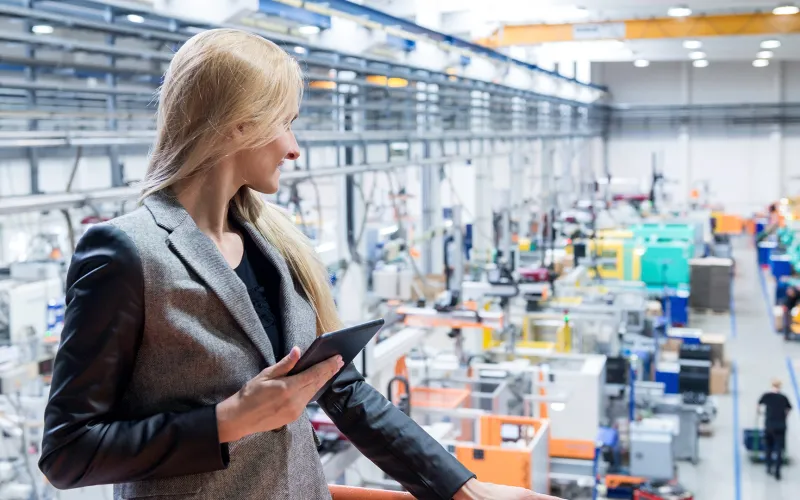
x: 117, y: 172
x: 33, y: 124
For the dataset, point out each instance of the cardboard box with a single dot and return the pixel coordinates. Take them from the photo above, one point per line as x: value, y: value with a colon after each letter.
x: 654, y: 309
x: 720, y: 377
x: 436, y: 285
x: 717, y: 343
x: 672, y: 345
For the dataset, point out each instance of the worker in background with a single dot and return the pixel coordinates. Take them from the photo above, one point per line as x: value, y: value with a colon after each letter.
x: 776, y: 407
x: 789, y: 302
x: 186, y: 316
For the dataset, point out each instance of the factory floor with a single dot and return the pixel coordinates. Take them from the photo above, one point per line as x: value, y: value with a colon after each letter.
x: 757, y: 354
x: 724, y: 471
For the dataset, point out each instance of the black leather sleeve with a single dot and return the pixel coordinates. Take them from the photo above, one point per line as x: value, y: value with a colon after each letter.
x: 85, y: 442
x: 391, y: 439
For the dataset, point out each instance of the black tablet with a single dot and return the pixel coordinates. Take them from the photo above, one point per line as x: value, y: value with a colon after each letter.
x: 347, y: 343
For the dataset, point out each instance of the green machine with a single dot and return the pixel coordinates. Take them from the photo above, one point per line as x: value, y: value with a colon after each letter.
x: 666, y: 262
x: 672, y: 231
x: 667, y: 249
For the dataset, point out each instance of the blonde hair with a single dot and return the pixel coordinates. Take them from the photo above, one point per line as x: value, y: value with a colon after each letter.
x: 218, y: 80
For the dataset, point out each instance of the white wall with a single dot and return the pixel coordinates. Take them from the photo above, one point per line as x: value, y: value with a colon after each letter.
x: 748, y: 166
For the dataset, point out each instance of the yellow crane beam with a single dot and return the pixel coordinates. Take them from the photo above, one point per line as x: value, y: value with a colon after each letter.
x: 638, y: 29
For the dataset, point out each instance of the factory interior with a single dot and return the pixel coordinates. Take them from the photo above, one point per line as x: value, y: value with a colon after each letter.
x: 577, y: 222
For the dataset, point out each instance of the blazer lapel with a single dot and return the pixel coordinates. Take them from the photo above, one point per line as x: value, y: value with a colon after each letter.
x: 199, y: 253
x: 298, y: 317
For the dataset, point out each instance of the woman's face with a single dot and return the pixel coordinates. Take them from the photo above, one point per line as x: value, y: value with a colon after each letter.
x: 260, y: 168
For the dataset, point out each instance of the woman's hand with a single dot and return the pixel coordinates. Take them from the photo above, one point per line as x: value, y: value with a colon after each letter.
x: 272, y: 399
x: 476, y: 490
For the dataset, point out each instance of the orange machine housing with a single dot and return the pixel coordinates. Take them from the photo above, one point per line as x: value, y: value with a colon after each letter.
x: 522, y: 462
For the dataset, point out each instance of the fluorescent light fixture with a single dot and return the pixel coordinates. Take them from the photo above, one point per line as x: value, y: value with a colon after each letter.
x: 765, y: 54
x: 135, y: 18
x: 300, y: 50
x: 557, y: 406
x: 641, y: 63
x: 386, y: 231
x: 700, y: 63
x: 770, y: 44
x: 308, y: 30
x: 760, y: 63
x: 697, y: 55
x: 679, y: 11
x: 42, y: 29
x: 786, y: 10
x: 692, y: 44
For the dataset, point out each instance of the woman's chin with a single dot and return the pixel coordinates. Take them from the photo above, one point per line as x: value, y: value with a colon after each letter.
x: 266, y: 188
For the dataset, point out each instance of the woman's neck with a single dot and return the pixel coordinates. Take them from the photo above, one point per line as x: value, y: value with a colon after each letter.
x: 207, y: 199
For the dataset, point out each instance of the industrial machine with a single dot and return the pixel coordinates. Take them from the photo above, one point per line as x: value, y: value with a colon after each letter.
x: 507, y: 450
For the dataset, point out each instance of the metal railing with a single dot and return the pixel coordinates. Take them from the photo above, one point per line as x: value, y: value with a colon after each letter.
x: 353, y: 493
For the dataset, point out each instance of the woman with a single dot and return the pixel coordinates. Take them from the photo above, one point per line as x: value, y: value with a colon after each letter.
x: 185, y: 316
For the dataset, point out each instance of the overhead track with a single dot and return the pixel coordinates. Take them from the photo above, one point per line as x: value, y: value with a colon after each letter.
x: 645, y: 29
x: 405, y: 28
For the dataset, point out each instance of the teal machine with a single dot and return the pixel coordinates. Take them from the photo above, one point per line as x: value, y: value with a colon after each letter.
x: 666, y: 249
x: 673, y: 231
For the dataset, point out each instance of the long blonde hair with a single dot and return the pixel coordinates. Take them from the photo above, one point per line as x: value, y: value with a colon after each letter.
x: 217, y: 80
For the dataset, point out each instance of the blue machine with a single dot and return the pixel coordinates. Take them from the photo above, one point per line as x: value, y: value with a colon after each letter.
x: 669, y: 376
x: 676, y: 303
x: 781, y: 265
x: 765, y: 249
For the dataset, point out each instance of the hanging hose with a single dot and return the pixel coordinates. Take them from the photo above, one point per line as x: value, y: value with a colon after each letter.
x: 404, y: 404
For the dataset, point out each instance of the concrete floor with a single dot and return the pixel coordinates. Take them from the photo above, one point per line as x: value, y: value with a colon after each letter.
x: 758, y: 354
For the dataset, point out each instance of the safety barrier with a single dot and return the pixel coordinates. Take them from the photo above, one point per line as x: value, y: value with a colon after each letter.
x: 353, y: 493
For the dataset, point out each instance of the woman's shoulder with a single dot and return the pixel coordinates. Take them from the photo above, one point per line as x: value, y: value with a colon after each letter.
x: 134, y: 232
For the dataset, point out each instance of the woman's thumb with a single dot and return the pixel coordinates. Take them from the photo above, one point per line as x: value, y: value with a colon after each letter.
x: 284, y: 366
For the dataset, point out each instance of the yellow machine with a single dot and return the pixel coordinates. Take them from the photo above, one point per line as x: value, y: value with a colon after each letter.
x: 620, y: 258
x: 564, y: 337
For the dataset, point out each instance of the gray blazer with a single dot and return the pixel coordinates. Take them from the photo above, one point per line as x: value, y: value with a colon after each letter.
x: 158, y: 330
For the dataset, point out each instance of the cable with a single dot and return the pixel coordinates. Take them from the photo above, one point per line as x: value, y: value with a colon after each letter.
x: 389, y: 174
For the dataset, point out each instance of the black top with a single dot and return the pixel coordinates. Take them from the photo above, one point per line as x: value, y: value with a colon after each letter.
x: 790, y: 302
x: 263, y: 285
x: 778, y: 407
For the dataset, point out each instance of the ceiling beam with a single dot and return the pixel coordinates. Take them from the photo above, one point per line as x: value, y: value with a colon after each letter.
x: 638, y: 29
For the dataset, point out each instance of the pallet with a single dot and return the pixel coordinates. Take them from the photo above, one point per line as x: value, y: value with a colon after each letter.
x: 704, y: 311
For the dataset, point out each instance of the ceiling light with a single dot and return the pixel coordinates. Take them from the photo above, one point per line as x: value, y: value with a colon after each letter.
x: 700, y: 63
x: 300, y: 50
x: 557, y: 406
x: 308, y: 30
x: 765, y: 54
x: 42, y: 29
x: 680, y: 11
x: 770, y: 44
x: 697, y: 55
x: 692, y: 44
x: 135, y: 18
x: 786, y: 10
x: 760, y: 63
x: 641, y: 63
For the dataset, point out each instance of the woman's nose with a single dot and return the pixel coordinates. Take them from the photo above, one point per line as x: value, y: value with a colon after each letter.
x: 293, y: 154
